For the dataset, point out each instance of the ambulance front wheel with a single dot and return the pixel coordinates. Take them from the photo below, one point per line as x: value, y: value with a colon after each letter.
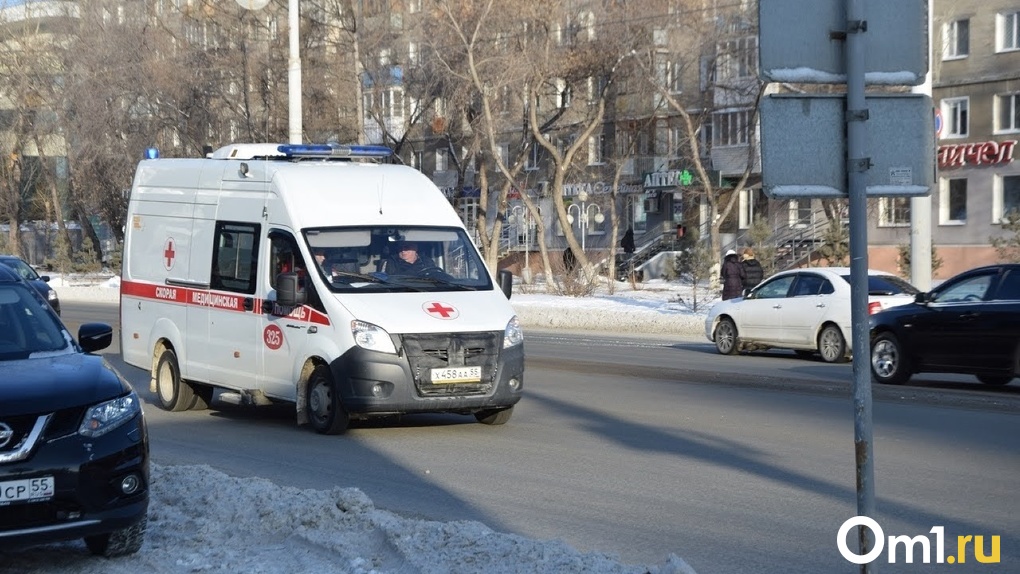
x: 494, y: 416
x: 174, y: 394
x: 326, y: 413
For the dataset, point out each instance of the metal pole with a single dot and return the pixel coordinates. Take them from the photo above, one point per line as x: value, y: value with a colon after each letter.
x: 294, y: 73
x: 858, y: 164
x: 920, y: 207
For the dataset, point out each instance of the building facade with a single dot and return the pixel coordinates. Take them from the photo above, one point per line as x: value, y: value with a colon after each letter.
x: 975, y: 67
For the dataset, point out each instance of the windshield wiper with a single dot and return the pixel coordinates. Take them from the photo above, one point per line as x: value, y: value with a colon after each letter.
x: 439, y: 281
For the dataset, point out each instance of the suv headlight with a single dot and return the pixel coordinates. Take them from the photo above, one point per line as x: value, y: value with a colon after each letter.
x: 104, y: 417
x: 513, y: 335
x: 51, y: 295
x: 372, y: 337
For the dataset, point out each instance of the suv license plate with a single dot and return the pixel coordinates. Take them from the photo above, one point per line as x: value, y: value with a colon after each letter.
x: 456, y: 375
x: 27, y: 490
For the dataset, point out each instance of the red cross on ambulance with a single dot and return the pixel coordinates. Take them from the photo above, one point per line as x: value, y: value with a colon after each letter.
x: 169, y: 253
x: 441, y: 310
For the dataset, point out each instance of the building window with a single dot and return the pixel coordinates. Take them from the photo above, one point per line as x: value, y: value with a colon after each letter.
x: 595, y: 145
x: 417, y: 159
x: 1007, y: 32
x: 730, y: 128
x: 1007, y: 116
x: 800, y: 213
x: 956, y: 112
x: 894, y: 212
x: 533, y: 157
x: 956, y: 39
x: 953, y: 201
x: 746, y: 212
x: 442, y: 160
x: 1006, y: 197
x: 738, y: 58
x: 504, y: 153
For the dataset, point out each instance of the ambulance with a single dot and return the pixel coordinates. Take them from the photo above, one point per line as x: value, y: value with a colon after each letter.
x: 265, y: 273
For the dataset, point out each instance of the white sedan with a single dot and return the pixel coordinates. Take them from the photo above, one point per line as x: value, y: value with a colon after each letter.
x: 807, y: 310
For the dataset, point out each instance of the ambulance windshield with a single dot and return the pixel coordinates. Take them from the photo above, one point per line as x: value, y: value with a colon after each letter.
x: 397, y: 259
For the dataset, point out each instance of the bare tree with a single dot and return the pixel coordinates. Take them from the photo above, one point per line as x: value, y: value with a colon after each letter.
x: 716, y: 49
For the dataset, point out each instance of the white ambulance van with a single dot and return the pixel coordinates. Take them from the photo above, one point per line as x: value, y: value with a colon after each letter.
x: 280, y: 273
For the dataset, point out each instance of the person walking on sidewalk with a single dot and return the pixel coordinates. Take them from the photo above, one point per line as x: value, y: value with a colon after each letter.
x: 753, y: 271
x: 628, y: 242
x: 732, y: 276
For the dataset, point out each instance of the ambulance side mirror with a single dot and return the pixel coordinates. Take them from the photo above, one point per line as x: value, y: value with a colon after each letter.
x: 506, y: 281
x: 289, y: 292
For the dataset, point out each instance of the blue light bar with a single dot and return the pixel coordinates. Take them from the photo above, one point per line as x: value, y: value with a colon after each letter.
x: 151, y: 153
x: 334, y: 150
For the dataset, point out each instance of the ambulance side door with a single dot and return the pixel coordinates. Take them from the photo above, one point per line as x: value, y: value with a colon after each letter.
x: 284, y: 330
x: 231, y: 351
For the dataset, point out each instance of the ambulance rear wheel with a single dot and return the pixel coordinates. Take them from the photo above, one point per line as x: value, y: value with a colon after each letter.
x: 326, y: 413
x: 174, y: 394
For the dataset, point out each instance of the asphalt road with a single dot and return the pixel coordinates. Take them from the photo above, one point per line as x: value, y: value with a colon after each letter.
x: 644, y: 447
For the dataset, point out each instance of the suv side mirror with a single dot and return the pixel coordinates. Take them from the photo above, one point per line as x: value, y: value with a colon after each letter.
x: 922, y: 298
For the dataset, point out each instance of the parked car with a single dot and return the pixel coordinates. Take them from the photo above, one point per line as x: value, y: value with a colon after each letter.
x: 807, y: 310
x: 970, y: 324
x: 74, y: 449
x: 39, y: 282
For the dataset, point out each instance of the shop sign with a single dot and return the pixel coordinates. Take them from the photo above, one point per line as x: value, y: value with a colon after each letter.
x: 671, y: 178
x: 979, y: 153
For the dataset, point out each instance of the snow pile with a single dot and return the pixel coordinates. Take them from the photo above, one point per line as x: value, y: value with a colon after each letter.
x: 252, y: 525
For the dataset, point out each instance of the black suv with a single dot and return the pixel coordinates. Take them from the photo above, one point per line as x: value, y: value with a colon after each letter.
x: 970, y: 324
x: 74, y: 450
x: 39, y: 282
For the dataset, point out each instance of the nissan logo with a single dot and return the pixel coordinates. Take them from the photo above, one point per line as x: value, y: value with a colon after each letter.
x: 6, y: 433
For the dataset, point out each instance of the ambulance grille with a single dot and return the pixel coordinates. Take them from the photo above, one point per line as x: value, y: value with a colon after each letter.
x: 427, y: 351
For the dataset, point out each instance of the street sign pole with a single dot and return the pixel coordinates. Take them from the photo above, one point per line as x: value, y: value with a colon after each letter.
x: 858, y: 163
x: 888, y: 149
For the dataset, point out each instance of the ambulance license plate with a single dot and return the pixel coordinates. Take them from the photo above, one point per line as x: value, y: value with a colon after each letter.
x: 456, y: 375
x: 27, y: 490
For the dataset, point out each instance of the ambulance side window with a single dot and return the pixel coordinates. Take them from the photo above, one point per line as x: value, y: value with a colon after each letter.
x: 235, y: 253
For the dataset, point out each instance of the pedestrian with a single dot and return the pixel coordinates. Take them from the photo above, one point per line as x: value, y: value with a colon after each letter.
x: 732, y: 276
x: 628, y: 242
x: 753, y: 271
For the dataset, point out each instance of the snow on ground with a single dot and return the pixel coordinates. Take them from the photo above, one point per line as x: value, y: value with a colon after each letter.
x: 203, y: 521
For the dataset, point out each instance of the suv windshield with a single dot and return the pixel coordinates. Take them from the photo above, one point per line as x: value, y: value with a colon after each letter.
x: 397, y: 258
x: 21, y: 268
x: 26, y: 326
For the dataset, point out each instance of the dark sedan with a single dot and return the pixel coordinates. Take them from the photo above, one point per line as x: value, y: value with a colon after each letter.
x: 40, y: 282
x: 970, y: 324
x: 74, y: 450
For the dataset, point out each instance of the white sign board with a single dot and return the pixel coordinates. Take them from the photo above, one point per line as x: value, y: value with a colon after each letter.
x: 804, y: 149
x: 802, y: 41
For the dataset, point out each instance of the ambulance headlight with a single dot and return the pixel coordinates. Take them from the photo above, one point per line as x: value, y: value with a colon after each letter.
x: 372, y: 337
x: 513, y: 335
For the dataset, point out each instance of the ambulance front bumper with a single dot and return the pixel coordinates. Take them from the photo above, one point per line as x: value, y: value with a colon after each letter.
x: 375, y: 383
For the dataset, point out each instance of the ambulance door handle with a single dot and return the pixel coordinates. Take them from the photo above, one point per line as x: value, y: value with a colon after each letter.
x: 249, y: 304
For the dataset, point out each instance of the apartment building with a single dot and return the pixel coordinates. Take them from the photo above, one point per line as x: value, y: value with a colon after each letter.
x: 975, y: 69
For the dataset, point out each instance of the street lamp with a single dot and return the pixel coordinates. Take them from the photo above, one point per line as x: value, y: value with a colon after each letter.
x: 523, y: 219
x: 293, y: 64
x: 584, y: 210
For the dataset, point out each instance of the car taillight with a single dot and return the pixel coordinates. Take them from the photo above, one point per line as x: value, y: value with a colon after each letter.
x: 874, y: 307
